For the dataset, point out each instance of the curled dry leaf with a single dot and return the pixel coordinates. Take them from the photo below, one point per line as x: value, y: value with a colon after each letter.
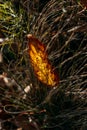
x: 40, y: 63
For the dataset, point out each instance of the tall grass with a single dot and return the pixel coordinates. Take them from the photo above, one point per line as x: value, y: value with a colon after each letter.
x: 62, y: 27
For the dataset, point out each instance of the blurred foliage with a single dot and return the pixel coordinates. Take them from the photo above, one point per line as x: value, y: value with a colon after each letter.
x: 12, y: 23
x: 13, y: 30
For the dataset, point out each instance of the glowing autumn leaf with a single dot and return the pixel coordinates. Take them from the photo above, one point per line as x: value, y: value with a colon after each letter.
x: 39, y: 60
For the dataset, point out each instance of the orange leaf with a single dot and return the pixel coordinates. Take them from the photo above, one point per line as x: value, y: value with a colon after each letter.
x: 39, y: 60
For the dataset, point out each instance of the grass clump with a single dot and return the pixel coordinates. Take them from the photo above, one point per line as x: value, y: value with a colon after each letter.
x: 25, y: 101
